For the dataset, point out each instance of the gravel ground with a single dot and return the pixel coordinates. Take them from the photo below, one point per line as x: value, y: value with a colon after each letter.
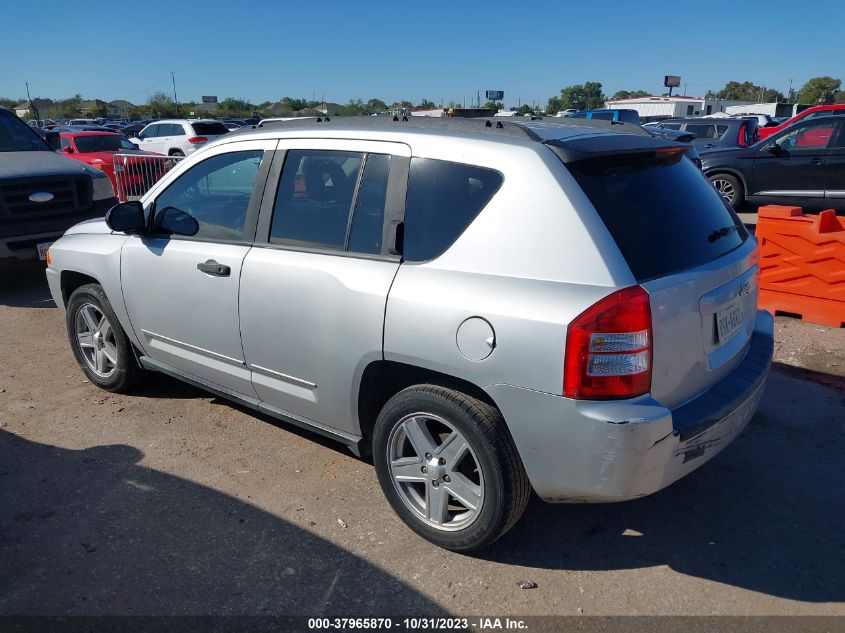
x: 172, y: 501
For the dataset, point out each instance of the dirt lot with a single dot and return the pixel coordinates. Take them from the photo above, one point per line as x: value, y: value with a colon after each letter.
x: 171, y: 501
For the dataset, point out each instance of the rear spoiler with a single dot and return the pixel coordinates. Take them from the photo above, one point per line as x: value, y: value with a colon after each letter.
x: 590, y: 147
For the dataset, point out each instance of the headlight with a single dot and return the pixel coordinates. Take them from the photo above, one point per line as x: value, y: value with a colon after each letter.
x: 102, y: 187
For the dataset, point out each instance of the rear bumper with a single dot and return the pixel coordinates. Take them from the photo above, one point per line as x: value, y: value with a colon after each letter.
x: 585, y: 451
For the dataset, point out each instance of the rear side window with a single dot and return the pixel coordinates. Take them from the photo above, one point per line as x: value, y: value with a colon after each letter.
x: 209, y: 129
x: 702, y: 131
x: 662, y: 213
x: 602, y: 116
x: 442, y: 199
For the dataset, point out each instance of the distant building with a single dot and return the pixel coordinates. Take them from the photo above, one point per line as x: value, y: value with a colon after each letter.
x: 90, y: 108
x: 119, y: 109
x: 436, y: 112
x: 27, y: 108
x: 656, y: 108
x: 772, y: 109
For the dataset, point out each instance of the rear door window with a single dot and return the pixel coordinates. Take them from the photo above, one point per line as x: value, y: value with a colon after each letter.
x: 702, y: 131
x: 663, y: 214
x: 442, y: 199
x: 314, y: 198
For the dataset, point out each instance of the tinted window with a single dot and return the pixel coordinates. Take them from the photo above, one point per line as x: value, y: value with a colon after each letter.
x: 579, y: 115
x: 209, y: 129
x: 809, y: 137
x: 671, y: 126
x: 17, y: 136
x: 315, y: 197
x: 101, y: 143
x: 368, y: 219
x: 602, y: 116
x: 442, y: 199
x: 175, y: 129
x: 216, y: 192
x: 150, y: 131
x: 662, y: 213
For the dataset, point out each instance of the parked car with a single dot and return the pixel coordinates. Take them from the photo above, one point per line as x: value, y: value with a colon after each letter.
x: 833, y: 109
x: 41, y: 192
x: 82, y: 122
x: 715, y: 133
x: 98, y: 150
x: 802, y: 165
x: 538, y: 315
x: 179, y: 137
x: 628, y: 116
x: 80, y: 128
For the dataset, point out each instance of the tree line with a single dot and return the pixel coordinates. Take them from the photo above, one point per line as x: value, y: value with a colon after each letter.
x: 586, y: 96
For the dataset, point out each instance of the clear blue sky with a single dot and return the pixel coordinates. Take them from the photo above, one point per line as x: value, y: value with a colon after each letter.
x: 262, y: 50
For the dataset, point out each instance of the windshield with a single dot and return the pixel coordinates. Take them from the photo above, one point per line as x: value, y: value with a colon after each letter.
x: 102, y: 143
x: 17, y: 136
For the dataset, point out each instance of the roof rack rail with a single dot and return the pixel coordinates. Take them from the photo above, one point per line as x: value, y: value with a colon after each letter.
x: 455, y: 124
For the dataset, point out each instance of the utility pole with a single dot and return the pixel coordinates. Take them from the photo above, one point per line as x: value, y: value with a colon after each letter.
x: 32, y: 105
x: 175, y: 100
x: 685, y: 90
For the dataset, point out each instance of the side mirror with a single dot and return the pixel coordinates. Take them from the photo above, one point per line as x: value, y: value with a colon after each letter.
x: 67, y: 150
x: 126, y: 217
x: 54, y: 140
x: 177, y: 222
x: 774, y: 148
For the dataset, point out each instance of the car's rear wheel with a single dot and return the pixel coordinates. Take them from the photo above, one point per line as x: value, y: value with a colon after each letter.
x: 729, y: 187
x: 448, y: 467
x: 177, y: 152
x: 98, y: 341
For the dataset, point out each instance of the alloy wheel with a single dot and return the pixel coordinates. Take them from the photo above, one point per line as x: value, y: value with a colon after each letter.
x: 435, y: 471
x: 95, y: 337
x: 725, y: 188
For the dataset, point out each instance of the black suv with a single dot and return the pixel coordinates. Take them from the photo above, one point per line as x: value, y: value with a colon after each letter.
x: 801, y: 165
x: 42, y: 194
x: 715, y: 133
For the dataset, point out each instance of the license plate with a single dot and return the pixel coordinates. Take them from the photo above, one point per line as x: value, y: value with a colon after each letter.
x: 42, y: 249
x: 728, y: 322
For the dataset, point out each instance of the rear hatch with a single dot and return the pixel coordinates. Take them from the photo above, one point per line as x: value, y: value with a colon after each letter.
x: 685, y: 246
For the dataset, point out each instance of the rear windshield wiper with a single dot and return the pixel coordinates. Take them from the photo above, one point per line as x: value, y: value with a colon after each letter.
x: 725, y: 230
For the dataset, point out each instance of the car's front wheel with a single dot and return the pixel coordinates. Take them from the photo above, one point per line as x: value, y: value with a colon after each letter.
x: 729, y: 187
x: 448, y: 467
x: 98, y: 341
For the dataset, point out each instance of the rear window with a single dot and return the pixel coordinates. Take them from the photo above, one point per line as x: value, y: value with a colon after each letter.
x: 442, y: 199
x: 210, y: 129
x: 662, y: 212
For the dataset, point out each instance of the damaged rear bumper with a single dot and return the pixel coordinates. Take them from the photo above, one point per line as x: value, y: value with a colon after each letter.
x: 585, y: 451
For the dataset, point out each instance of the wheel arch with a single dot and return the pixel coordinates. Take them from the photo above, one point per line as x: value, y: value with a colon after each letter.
x: 70, y: 280
x: 731, y: 171
x: 382, y: 379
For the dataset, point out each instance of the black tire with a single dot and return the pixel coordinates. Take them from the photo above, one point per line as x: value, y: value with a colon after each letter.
x: 177, y: 152
x: 723, y: 181
x: 506, y: 488
x: 126, y: 371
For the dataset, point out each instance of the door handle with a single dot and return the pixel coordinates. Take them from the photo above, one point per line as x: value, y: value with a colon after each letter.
x: 211, y: 267
x: 817, y: 161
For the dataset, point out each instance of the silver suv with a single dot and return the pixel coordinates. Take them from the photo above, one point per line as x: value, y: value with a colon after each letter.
x: 483, y: 307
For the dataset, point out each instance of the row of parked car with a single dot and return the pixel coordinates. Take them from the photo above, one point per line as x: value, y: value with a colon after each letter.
x: 753, y: 158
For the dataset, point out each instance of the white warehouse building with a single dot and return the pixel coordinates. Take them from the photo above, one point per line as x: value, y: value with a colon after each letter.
x: 656, y: 108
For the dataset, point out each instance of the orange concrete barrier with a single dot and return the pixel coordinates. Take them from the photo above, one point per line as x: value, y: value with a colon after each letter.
x: 802, y: 264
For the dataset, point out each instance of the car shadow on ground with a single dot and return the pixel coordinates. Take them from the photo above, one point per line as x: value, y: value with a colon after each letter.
x: 25, y: 286
x: 767, y: 515
x: 92, y: 532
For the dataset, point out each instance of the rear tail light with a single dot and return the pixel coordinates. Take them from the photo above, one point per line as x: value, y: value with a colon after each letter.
x: 197, y: 139
x: 608, y: 348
